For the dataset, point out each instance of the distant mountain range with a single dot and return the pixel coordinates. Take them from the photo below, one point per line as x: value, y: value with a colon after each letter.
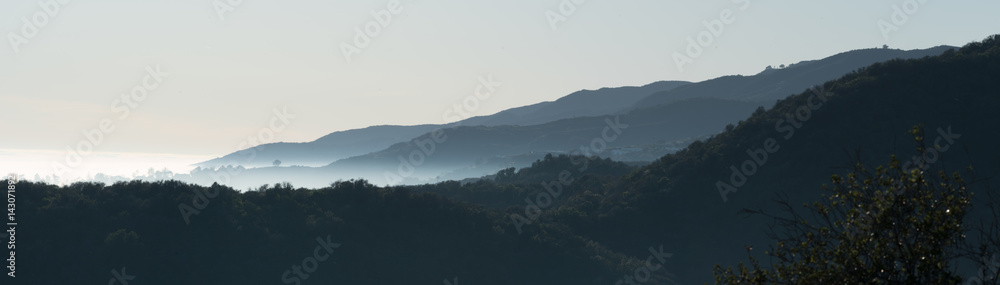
x: 773, y: 84
x: 662, y: 117
x: 634, y: 131
x: 344, y: 144
x: 322, y: 151
x: 583, y: 103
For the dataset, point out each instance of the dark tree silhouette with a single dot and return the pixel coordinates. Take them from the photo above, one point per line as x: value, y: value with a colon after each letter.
x: 887, y: 226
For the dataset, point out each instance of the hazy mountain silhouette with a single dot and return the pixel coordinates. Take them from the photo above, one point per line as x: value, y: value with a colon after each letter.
x: 683, y: 116
x: 322, y: 151
x: 482, y: 145
x: 471, y: 146
x: 768, y: 85
x: 774, y: 84
x: 473, y: 151
x: 583, y: 103
x: 344, y: 144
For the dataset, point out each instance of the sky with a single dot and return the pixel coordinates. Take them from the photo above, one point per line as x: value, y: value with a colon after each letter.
x: 198, y: 79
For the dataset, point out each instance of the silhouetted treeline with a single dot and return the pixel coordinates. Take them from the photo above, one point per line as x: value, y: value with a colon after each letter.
x: 386, y: 236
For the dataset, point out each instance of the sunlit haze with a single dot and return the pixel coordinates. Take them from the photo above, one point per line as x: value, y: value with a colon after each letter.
x: 220, y: 73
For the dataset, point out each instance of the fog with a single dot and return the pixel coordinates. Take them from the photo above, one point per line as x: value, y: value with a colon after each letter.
x: 37, y: 165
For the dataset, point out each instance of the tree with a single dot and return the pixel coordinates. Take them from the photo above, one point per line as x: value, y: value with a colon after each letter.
x: 505, y: 175
x: 890, y: 226
x: 759, y: 111
x: 986, y: 254
x: 276, y: 163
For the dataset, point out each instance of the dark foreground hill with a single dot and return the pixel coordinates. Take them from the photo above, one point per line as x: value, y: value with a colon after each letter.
x: 350, y: 233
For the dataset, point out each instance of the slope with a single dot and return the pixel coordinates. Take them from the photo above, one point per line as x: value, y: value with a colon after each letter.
x: 680, y: 200
x: 355, y: 142
x: 460, y: 147
x: 774, y: 84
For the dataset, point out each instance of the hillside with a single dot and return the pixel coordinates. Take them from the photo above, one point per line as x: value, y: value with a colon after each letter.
x: 349, y: 233
x: 866, y: 118
x: 463, y: 146
x: 583, y: 103
x: 774, y: 84
x: 323, y: 150
x: 473, y: 151
x: 764, y: 88
x: 349, y: 143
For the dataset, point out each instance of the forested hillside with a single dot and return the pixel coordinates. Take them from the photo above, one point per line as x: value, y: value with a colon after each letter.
x: 176, y: 233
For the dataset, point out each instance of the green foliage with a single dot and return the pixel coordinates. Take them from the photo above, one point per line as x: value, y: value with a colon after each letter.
x: 121, y: 237
x: 887, y: 226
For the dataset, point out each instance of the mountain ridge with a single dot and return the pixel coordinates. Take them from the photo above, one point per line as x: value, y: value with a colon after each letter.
x: 779, y: 83
x: 349, y: 143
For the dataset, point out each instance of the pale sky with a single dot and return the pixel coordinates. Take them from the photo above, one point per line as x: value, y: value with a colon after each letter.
x: 222, y: 79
